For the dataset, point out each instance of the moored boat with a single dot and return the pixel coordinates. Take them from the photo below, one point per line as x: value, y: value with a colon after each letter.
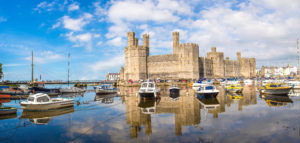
x: 41, y: 101
x: 276, y: 89
x: 5, y: 96
x: 148, y: 90
x: 205, y: 89
x: 248, y: 82
x: 39, y: 87
x: 71, y: 90
x: 105, y: 89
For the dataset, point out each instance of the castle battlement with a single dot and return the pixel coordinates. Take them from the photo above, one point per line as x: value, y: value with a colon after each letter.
x: 183, y: 63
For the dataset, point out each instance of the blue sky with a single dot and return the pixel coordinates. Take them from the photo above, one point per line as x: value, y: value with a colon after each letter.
x: 94, y: 32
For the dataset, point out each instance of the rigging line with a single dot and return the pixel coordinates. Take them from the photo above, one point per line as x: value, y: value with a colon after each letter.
x: 99, y: 124
x: 45, y: 71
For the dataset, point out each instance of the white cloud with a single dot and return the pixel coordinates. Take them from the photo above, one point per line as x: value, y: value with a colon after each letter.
x: 139, y: 11
x: 117, y: 42
x: 73, y: 6
x: 81, y: 40
x: 56, y: 25
x: 114, y: 62
x: 45, y: 57
x: 76, y: 24
x: 47, y: 6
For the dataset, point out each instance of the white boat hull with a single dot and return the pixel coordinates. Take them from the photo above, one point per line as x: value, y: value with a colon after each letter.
x: 47, y: 106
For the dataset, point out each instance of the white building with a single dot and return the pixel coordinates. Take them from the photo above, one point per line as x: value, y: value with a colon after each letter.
x: 113, y: 76
x: 279, y: 71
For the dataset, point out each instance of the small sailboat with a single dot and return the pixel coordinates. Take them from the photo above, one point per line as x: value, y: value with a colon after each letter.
x: 41, y: 101
x: 39, y: 87
x: 70, y: 89
x: 148, y: 90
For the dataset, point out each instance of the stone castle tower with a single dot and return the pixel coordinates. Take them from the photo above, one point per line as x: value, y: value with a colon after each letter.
x: 184, y: 63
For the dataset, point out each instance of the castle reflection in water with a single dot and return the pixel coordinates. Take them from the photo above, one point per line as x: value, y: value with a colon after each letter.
x: 186, y: 108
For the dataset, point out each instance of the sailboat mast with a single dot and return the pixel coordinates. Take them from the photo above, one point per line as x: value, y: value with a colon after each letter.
x: 298, y: 54
x: 32, y: 66
x: 68, y: 68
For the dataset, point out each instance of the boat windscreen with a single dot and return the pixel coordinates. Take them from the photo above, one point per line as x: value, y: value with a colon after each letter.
x: 209, y: 87
x: 31, y: 99
x: 151, y: 85
x: 144, y: 85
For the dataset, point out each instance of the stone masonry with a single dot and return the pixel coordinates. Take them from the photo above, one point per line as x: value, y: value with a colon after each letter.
x: 184, y: 63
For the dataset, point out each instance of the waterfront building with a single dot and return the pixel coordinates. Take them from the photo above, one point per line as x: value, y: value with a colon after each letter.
x: 274, y: 71
x: 113, y: 76
x: 183, y: 63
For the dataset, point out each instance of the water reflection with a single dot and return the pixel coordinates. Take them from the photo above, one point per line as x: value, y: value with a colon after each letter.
x: 44, y: 117
x: 275, y: 100
x: 106, y: 99
x: 186, y: 111
x: 127, y: 118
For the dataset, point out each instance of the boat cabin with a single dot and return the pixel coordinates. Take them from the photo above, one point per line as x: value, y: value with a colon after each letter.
x: 149, y: 86
x: 39, y: 97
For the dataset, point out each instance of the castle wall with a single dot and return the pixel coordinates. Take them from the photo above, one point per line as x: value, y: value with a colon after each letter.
x: 184, y: 63
x: 162, y: 66
x: 205, y: 68
x: 229, y: 68
x: 244, y: 67
x: 218, y: 62
x: 188, y: 67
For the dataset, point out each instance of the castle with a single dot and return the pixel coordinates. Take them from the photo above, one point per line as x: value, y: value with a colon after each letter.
x: 184, y: 63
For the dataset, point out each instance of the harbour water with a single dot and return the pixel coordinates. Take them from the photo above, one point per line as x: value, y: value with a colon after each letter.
x: 124, y: 118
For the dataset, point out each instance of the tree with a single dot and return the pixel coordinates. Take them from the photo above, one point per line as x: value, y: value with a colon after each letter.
x: 1, y: 73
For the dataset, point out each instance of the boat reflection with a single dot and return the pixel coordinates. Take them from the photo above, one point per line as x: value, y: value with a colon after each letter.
x: 9, y: 116
x: 208, y: 102
x: 148, y: 106
x: 44, y: 117
x: 72, y: 95
x: 275, y: 101
x: 235, y: 96
x: 106, y: 99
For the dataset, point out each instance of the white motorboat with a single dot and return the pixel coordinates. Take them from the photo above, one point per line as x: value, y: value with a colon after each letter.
x: 248, y: 82
x: 148, y: 90
x: 230, y: 82
x: 41, y: 101
x: 105, y: 89
x: 205, y: 89
x: 71, y: 90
